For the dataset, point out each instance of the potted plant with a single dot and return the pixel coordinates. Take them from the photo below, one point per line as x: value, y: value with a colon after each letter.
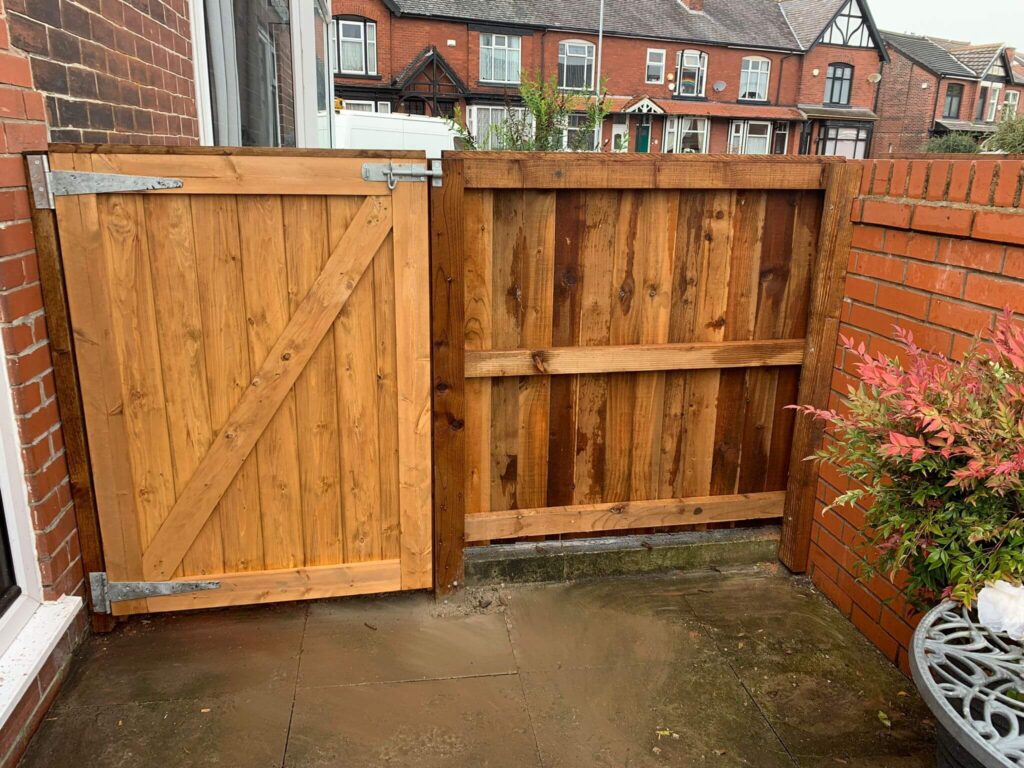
x: 935, y: 448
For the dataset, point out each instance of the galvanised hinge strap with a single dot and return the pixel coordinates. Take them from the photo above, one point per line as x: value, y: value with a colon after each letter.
x: 393, y: 173
x: 105, y: 592
x: 47, y: 184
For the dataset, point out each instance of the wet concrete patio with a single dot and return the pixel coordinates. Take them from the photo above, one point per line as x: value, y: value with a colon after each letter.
x: 744, y: 668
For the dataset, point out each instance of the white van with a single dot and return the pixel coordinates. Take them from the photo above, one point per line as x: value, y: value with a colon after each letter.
x: 372, y: 130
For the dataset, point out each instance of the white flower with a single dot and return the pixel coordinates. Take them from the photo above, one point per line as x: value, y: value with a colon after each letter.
x: 1001, y: 609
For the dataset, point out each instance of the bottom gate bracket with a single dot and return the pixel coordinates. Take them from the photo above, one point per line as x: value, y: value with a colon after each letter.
x: 105, y: 592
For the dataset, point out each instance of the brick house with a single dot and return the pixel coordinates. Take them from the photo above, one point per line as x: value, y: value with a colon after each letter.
x: 760, y: 76
x: 931, y: 87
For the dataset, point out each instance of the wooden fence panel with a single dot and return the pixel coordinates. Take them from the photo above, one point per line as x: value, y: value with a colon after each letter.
x: 629, y: 347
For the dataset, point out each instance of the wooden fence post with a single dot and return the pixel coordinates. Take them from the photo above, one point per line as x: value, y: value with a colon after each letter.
x: 828, y: 282
x: 447, y: 290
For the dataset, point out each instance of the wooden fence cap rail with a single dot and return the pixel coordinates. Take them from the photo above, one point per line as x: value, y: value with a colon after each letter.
x: 131, y: 149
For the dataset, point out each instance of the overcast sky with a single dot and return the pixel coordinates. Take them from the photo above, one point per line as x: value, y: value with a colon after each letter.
x: 980, y: 21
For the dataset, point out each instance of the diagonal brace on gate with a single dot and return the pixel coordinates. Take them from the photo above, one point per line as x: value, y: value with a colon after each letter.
x: 271, y: 384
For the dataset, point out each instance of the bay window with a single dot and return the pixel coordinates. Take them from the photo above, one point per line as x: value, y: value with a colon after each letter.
x: 655, y: 66
x: 576, y: 65
x: 357, y: 47
x: 995, y: 91
x: 484, y: 123
x: 750, y: 137
x: 1010, y: 105
x: 693, y: 73
x: 754, y: 74
x: 500, y: 58
x: 686, y: 135
x: 577, y: 137
x: 849, y: 141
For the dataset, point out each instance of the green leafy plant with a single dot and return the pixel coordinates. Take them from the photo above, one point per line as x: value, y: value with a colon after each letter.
x: 1009, y: 137
x: 539, y: 123
x: 936, y: 453
x: 953, y: 144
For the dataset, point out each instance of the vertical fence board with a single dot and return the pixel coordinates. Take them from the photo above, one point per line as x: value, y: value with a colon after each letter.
x: 843, y: 183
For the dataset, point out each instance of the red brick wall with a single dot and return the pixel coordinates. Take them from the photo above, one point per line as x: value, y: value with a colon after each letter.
x: 938, y: 249
x: 111, y: 70
x: 864, y: 62
x: 905, y: 109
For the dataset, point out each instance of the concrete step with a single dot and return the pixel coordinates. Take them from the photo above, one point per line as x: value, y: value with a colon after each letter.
x: 572, y: 559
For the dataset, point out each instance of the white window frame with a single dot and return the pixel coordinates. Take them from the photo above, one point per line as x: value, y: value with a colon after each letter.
x: 780, y: 127
x: 367, y: 40
x: 473, y: 121
x: 588, y: 59
x: 384, y: 107
x: 698, y: 62
x: 656, y: 52
x: 994, y: 94
x: 759, y: 67
x: 566, y: 129
x: 674, y: 135
x: 1011, y: 107
x: 620, y: 133
x: 739, y: 135
x: 490, y: 46
x: 349, y: 103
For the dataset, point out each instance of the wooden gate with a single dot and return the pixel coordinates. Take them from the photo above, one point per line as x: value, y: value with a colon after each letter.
x: 616, y: 339
x: 253, y: 358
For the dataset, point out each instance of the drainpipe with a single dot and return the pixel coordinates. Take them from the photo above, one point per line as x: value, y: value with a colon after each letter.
x: 600, y: 46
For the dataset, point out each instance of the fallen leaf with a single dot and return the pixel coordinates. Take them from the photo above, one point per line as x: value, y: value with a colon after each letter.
x: 884, y: 719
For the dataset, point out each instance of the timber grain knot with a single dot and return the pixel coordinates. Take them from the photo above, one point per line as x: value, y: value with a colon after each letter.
x: 539, y: 360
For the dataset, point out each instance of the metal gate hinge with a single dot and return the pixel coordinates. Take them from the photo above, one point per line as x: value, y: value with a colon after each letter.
x: 105, y: 592
x: 393, y: 173
x: 47, y: 184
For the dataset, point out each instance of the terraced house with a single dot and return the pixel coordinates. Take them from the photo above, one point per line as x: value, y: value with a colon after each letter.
x: 705, y: 76
x: 933, y: 86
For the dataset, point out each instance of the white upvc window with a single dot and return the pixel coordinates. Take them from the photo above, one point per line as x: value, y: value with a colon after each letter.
x: 483, y: 122
x: 780, y: 138
x: 576, y: 136
x: 994, y: 92
x: 754, y: 76
x: 357, y: 43
x: 1010, y: 104
x: 750, y: 137
x: 356, y: 105
x: 693, y: 72
x: 500, y: 57
x: 655, y: 65
x: 576, y: 65
x: 620, y: 133
x: 686, y: 135
x: 384, y: 107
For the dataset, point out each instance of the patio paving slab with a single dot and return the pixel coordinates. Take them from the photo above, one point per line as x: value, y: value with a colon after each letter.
x: 742, y: 668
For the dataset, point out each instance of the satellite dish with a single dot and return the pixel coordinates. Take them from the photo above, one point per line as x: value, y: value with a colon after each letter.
x: 719, y: 86
x: 874, y: 77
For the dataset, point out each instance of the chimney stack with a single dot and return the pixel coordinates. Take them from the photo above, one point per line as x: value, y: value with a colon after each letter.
x: 694, y: 5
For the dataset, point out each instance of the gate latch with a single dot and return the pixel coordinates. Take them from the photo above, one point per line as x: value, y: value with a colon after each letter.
x: 393, y: 173
x: 47, y: 184
x: 105, y: 592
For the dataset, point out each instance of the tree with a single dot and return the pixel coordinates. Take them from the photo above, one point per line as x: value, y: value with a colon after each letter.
x: 542, y: 123
x: 953, y: 144
x: 1009, y: 137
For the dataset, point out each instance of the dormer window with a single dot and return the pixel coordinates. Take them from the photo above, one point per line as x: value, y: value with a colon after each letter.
x: 693, y: 72
x: 838, y: 82
x: 754, y: 74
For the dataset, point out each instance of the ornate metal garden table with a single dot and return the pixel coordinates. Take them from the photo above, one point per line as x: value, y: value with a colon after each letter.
x: 973, y: 681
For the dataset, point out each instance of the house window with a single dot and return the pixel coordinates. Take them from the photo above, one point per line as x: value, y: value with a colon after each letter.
x: 655, y: 65
x: 352, y: 105
x: 693, y: 72
x: 357, y: 47
x: 620, y: 133
x: 1010, y: 105
x: 484, y: 121
x: 849, y: 28
x: 500, y: 58
x: 577, y: 137
x: 954, y: 98
x: 754, y: 79
x: 995, y: 90
x: 686, y: 135
x: 576, y: 65
x: 780, y: 138
x: 837, y: 84
x: 844, y: 141
x: 750, y: 137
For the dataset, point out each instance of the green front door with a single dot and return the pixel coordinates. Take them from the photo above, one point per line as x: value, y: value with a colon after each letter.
x: 643, y: 134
